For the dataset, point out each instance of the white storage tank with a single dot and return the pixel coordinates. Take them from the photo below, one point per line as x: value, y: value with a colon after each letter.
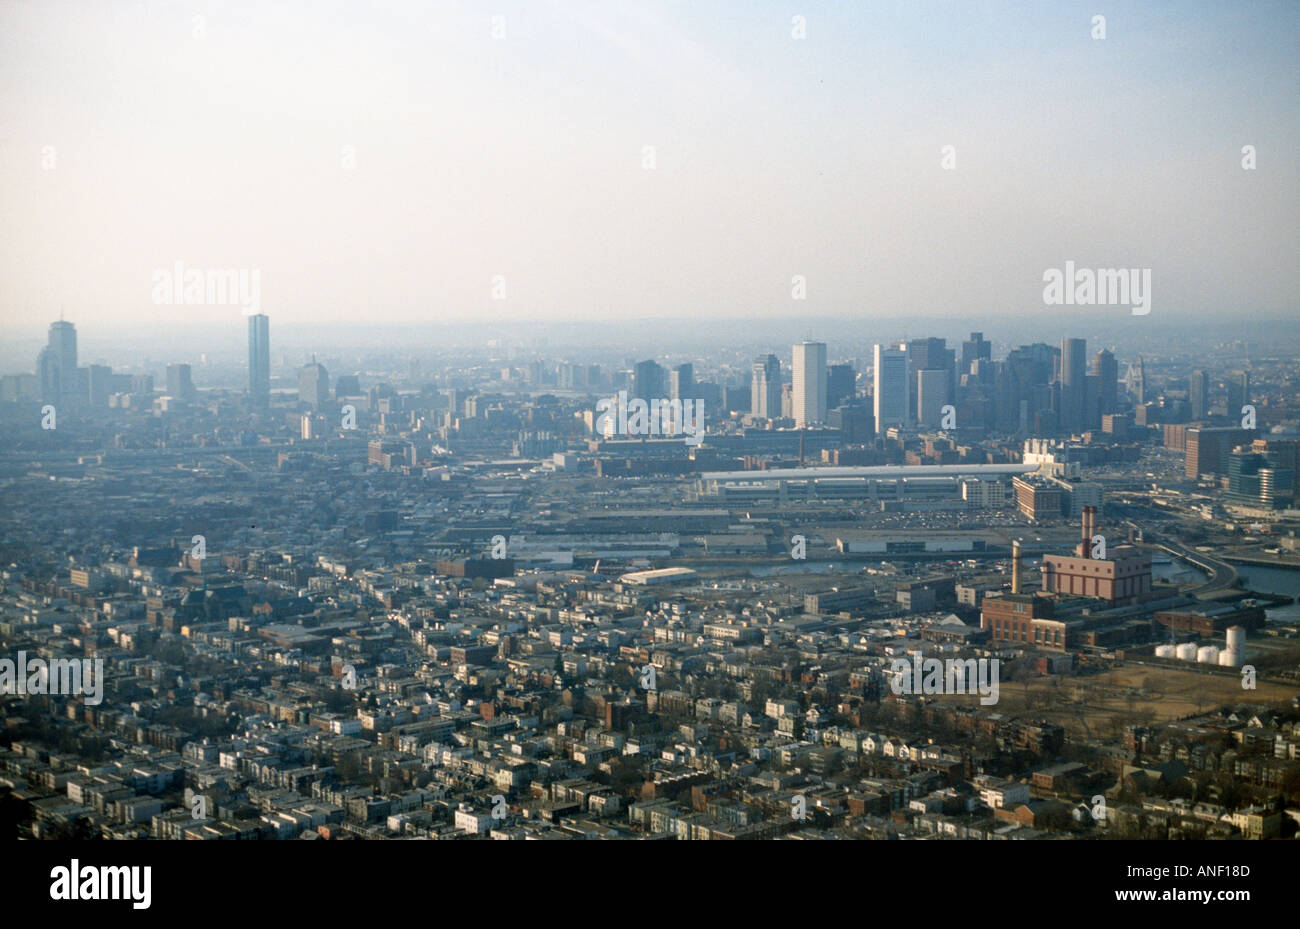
x: 1237, y: 639
x: 1229, y: 659
x: 1186, y: 651
x: 1164, y: 651
x: 1208, y: 654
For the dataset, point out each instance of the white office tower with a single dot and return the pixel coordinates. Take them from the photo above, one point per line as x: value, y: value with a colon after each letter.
x: 809, y: 386
x: 890, y: 387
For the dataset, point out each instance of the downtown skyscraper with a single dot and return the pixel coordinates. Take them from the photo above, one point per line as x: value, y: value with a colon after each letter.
x: 1073, y: 384
x: 765, y: 387
x: 56, y: 366
x: 259, y: 360
x: 1106, y: 371
x: 314, y: 386
x: 180, y: 382
x: 649, y: 380
x: 809, y: 384
x: 1198, y: 394
x: 681, y: 382
x: 890, y: 387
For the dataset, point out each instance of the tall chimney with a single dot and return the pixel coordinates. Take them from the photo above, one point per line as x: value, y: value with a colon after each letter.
x: 1089, y: 527
x: 1085, y: 533
x: 1015, y: 566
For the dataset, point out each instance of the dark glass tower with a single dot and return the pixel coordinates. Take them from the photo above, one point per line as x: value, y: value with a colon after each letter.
x: 259, y: 360
x: 1073, y: 394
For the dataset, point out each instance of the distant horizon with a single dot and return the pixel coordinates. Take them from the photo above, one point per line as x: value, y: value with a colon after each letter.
x: 226, y: 342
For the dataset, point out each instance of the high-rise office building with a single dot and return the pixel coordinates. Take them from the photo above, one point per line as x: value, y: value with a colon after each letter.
x: 47, y: 375
x: 841, y: 385
x: 314, y: 385
x: 972, y: 350
x: 56, y: 366
x: 180, y: 386
x: 808, y: 390
x: 648, y: 380
x: 737, y: 399
x: 1208, y: 449
x: 1238, y: 392
x: 1263, y: 475
x: 1198, y: 394
x: 765, y: 387
x: 99, y: 383
x: 1140, y: 382
x: 1073, y: 384
x: 931, y: 396
x: 890, y: 387
x: 681, y: 382
x: 1285, y: 453
x: 63, y: 343
x: 1021, y: 393
x: 927, y: 355
x: 259, y: 360
x: 1106, y: 369
x: 1092, y: 402
x: 569, y: 375
x: 347, y: 385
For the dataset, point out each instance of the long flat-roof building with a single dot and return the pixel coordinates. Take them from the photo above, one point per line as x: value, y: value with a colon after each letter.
x: 915, y: 486
x: 658, y: 576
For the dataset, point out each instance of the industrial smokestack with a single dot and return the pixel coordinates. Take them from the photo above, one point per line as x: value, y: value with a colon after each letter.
x: 1087, y: 526
x: 1015, y: 566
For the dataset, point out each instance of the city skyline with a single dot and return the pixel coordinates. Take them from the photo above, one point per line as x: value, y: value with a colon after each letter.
x: 653, y: 422
x: 1035, y: 389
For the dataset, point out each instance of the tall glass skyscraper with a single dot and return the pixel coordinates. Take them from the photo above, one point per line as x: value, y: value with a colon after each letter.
x: 259, y: 360
x: 890, y: 387
x: 1073, y: 374
x: 1199, y: 394
x: 1106, y: 370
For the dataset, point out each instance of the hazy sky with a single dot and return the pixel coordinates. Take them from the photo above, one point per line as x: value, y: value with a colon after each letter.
x: 221, y: 142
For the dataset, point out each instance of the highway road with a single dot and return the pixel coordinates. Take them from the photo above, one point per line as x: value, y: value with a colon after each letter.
x: 1222, y: 576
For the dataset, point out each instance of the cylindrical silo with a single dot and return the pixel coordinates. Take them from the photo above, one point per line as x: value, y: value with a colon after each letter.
x: 1186, y: 651
x: 1208, y: 654
x: 1164, y: 651
x: 1237, y: 639
x: 1229, y: 659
